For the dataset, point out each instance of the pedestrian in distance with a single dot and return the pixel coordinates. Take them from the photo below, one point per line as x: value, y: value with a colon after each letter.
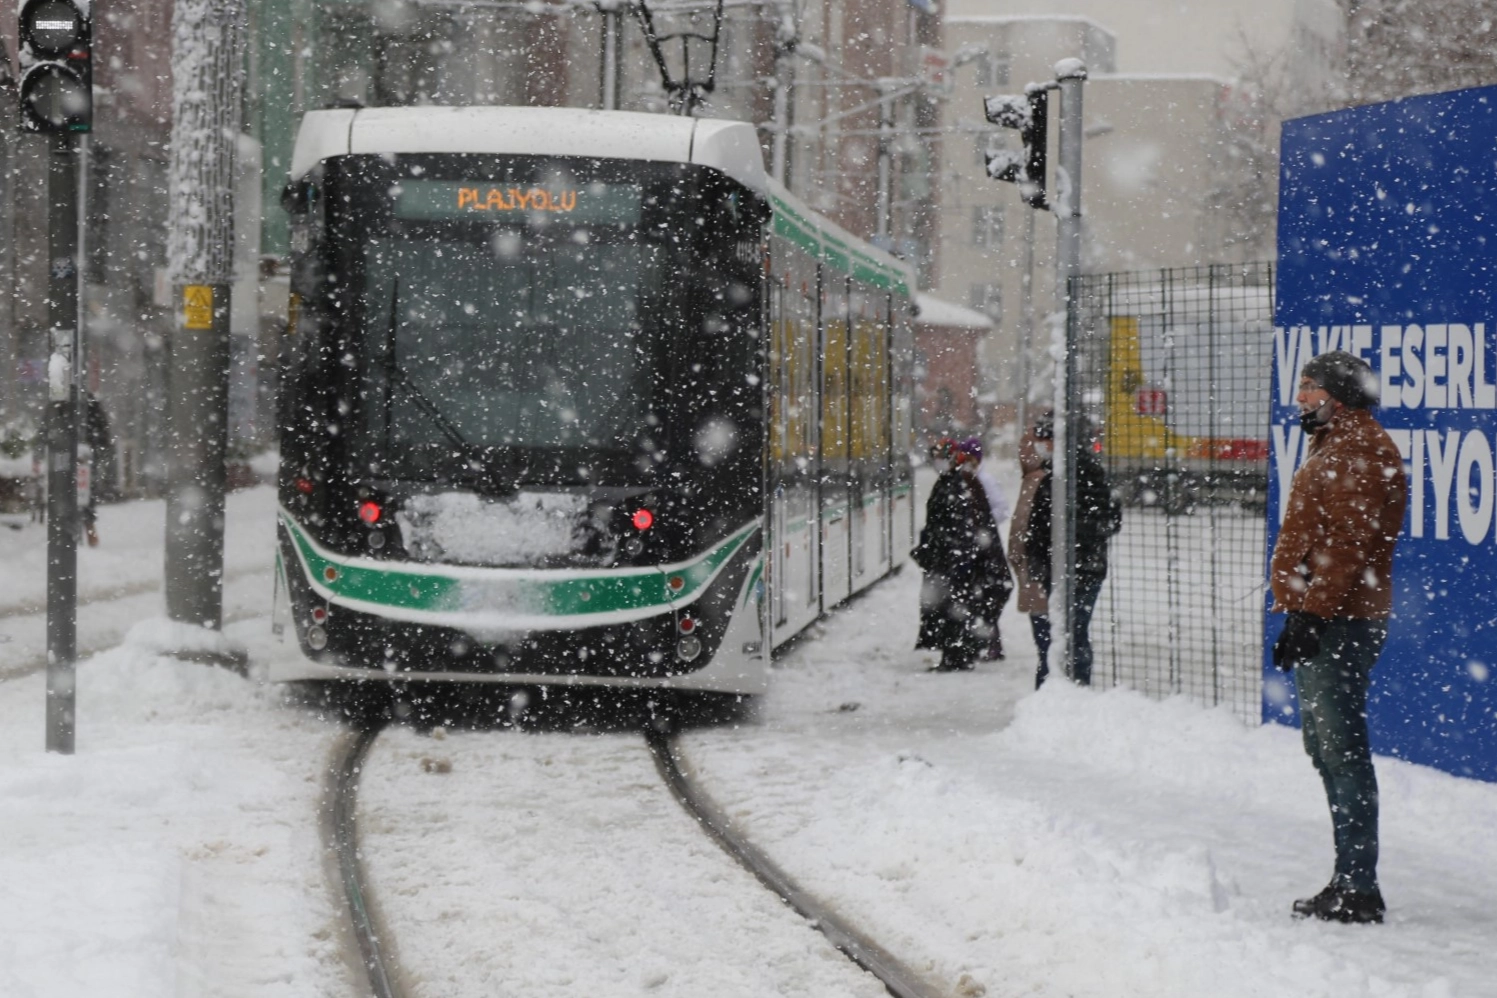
x: 97, y: 454
x: 1332, y: 573
x: 1099, y: 517
x: 965, y: 572
x: 998, y: 505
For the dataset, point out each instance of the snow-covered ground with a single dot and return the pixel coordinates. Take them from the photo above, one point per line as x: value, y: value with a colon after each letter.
x: 1004, y: 842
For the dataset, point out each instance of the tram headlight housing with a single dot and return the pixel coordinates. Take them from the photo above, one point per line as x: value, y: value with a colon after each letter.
x: 689, y: 648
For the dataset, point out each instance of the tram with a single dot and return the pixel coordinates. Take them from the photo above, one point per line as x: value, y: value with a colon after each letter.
x: 576, y: 397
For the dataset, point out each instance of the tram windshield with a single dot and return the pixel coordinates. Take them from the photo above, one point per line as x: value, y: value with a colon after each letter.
x: 511, y: 312
x: 537, y: 347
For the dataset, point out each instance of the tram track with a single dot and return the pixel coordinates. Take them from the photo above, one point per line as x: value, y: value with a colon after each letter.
x: 23, y: 625
x: 375, y: 946
x: 341, y: 836
x: 900, y: 980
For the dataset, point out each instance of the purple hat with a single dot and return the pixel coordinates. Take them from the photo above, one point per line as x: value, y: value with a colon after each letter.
x: 972, y: 447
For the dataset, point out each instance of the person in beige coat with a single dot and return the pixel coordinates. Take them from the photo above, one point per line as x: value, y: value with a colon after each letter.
x: 1034, y: 464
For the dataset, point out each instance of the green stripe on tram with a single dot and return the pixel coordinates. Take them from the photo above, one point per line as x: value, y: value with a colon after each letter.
x: 574, y: 595
x: 411, y: 590
x: 805, y: 233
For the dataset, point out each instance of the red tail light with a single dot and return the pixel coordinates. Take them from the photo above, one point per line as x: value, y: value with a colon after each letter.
x: 370, y: 512
x: 642, y: 519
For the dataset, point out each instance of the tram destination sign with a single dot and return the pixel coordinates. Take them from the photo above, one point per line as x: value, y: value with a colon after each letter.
x: 589, y: 203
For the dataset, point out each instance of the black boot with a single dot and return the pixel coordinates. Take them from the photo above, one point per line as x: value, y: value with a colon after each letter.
x: 1335, y: 904
x: 1305, y: 907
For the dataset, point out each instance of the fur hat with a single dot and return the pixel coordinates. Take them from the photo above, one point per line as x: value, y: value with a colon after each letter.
x: 972, y: 447
x: 1346, y: 378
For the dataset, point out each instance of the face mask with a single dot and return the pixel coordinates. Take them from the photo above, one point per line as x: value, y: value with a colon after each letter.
x: 1315, y: 418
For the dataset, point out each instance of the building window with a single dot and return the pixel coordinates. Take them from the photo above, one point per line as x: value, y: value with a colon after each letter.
x: 987, y: 226
x: 992, y: 69
x: 988, y: 299
x: 991, y: 141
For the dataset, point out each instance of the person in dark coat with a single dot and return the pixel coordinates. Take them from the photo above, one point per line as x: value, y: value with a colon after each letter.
x: 997, y: 502
x: 966, y: 574
x: 1099, y: 516
x: 101, y: 464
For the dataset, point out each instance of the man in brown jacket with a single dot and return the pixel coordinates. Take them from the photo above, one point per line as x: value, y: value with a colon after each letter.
x: 1332, y: 572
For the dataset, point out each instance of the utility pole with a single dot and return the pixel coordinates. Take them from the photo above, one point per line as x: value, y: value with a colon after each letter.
x: 885, y: 208
x: 787, y: 34
x: 612, y: 13
x: 1070, y: 74
x: 1026, y: 323
x: 206, y: 122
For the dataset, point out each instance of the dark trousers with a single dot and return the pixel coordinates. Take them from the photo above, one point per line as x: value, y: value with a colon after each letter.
x: 1039, y: 624
x: 1088, y: 588
x: 1333, y: 720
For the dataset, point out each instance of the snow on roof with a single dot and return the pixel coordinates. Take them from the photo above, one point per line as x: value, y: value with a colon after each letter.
x: 729, y: 146
x: 939, y: 312
x: 1159, y: 78
x: 1026, y: 18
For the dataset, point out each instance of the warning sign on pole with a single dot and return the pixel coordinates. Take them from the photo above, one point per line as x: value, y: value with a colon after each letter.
x: 197, y: 306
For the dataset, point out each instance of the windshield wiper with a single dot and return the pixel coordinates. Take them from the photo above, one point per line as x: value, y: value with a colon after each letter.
x: 397, y: 375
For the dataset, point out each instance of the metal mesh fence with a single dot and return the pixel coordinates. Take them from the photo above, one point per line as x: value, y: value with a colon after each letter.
x: 1174, y: 370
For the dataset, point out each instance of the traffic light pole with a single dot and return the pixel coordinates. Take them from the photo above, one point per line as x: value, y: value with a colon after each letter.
x: 63, y: 383
x: 1070, y: 74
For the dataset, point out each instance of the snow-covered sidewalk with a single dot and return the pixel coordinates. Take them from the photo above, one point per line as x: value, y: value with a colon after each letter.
x: 1075, y: 842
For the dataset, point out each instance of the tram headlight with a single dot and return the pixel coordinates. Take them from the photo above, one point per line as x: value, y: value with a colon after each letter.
x: 316, y: 638
x: 633, y: 546
x: 689, y: 648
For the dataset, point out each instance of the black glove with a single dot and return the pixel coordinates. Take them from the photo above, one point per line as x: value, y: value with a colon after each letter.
x: 1299, y: 641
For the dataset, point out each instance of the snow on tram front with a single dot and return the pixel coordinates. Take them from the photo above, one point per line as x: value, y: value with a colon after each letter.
x: 523, y: 420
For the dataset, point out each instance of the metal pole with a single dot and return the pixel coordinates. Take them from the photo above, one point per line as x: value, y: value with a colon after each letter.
x: 63, y: 383
x: 613, y: 28
x: 1071, y: 74
x: 1026, y: 322
x: 885, y: 161
x: 779, y: 150
x: 207, y: 119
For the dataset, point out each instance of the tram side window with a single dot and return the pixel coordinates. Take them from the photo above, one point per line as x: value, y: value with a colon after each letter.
x: 794, y: 364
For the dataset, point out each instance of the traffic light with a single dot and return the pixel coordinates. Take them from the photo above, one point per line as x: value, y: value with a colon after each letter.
x: 1030, y: 114
x: 56, y: 62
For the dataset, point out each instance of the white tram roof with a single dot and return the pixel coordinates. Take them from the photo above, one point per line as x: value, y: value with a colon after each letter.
x: 729, y: 146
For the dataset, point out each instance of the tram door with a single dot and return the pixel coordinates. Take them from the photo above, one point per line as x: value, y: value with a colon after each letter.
x: 883, y: 437
x: 793, y: 440
x: 836, y: 491
x: 861, y: 481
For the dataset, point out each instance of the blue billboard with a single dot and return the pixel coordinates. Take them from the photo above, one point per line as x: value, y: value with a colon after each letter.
x: 1388, y: 249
